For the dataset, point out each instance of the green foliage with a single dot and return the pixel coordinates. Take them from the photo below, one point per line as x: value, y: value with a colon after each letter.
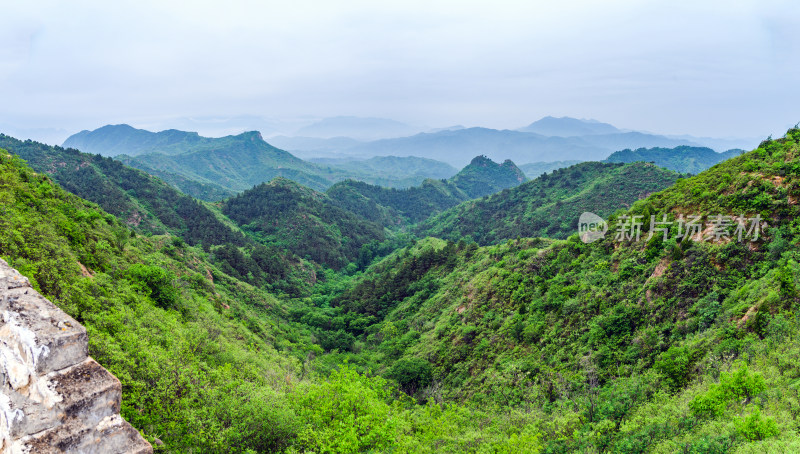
x: 347, y: 413
x: 158, y: 283
x: 411, y: 374
x: 741, y: 386
x: 303, y: 221
x: 550, y: 205
x: 756, y: 427
x: 682, y: 159
x: 674, y: 364
x: 484, y: 177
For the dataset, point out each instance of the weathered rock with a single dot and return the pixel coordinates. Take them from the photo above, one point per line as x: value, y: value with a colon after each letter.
x: 53, y: 397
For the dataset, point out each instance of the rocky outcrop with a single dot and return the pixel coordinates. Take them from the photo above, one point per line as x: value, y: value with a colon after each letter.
x: 54, y: 398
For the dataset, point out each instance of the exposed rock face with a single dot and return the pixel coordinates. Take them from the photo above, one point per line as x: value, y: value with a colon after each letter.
x: 54, y: 398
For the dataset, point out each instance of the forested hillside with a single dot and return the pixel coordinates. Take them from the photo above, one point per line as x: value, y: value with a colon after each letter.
x: 395, y: 207
x: 626, y: 344
x: 536, y: 169
x: 303, y: 221
x: 209, y: 363
x: 683, y: 159
x: 235, y: 163
x: 550, y: 205
x: 483, y: 177
x: 141, y: 201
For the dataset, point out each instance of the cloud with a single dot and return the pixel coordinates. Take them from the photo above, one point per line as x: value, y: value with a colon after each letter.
x: 710, y: 68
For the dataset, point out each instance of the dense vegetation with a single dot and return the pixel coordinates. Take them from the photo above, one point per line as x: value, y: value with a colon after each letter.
x: 397, y: 207
x: 209, y: 363
x: 621, y: 345
x: 303, y: 221
x: 536, y: 169
x: 141, y: 201
x: 483, y: 177
x: 682, y: 159
x: 550, y: 205
x: 522, y: 345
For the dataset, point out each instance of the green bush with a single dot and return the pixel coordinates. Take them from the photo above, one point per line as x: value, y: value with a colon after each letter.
x: 411, y: 374
x: 158, y: 284
x: 756, y: 427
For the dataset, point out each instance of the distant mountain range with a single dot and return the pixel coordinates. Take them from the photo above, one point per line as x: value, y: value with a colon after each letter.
x: 681, y: 159
x: 356, y: 128
x: 215, y: 168
x: 569, y: 127
x: 548, y: 139
x: 226, y: 165
x: 549, y: 206
x: 391, y: 207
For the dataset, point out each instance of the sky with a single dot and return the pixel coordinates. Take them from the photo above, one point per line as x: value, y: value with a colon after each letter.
x: 707, y: 68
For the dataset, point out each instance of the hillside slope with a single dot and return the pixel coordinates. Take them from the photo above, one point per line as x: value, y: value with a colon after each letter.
x: 208, y: 363
x: 143, y: 202
x: 550, y: 205
x: 681, y: 159
x: 483, y: 177
x: 398, y: 207
x: 621, y: 345
x: 303, y: 221
x: 178, y: 333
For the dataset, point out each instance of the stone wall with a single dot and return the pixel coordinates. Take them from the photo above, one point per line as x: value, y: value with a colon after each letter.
x: 54, y: 398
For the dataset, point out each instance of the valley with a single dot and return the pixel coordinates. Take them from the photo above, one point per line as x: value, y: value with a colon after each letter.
x: 460, y: 314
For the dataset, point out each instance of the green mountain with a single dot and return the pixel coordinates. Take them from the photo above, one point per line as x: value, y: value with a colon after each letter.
x: 302, y: 220
x: 483, y: 177
x: 397, y: 207
x: 113, y: 140
x: 235, y: 163
x: 536, y: 169
x: 393, y: 171
x: 213, y: 169
x: 683, y: 159
x: 141, y: 201
x: 622, y: 345
x: 209, y: 363
x: 550, y: 205
x: 662, y: 343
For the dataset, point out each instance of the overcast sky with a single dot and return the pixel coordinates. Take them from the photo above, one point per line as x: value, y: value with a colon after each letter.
x: 710, y: 68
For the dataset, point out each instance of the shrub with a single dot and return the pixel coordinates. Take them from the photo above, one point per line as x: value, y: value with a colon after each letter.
x: 411, y: 374
x: 157, y: 282
x: 755, y: 426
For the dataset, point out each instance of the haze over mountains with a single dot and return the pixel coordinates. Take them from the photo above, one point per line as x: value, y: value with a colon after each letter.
x: 473, y: 287
x: 548, y: 139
